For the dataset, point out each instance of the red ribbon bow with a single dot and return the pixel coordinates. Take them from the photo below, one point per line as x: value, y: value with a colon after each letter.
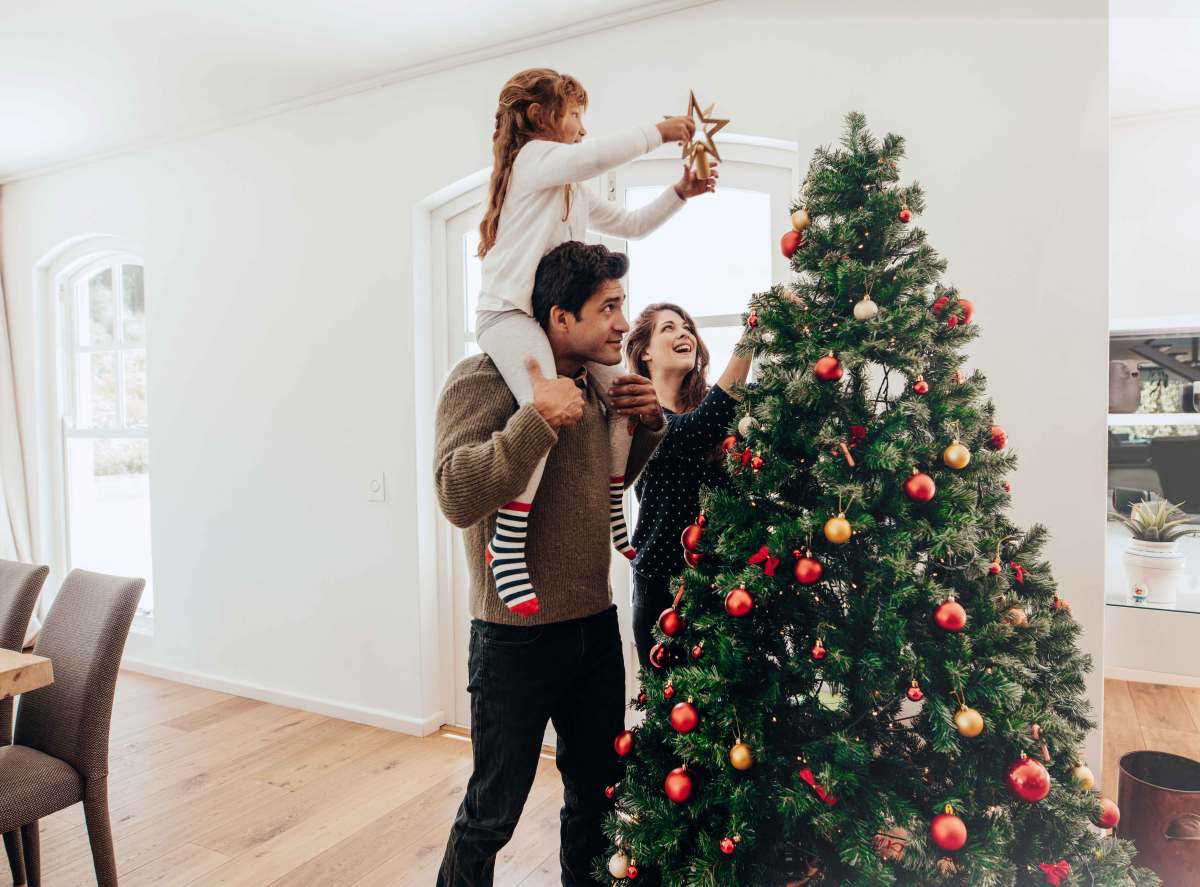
x: 1019, y: 570
x: 1057, y: 873
x: 762, y: 556
x: 858, y: 434
x: 746, y: 454
x: 807, y: 775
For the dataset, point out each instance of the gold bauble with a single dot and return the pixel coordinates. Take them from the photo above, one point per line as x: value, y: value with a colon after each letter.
x: 837, y: 530
x: 800, y: 220
x: 1083, y: 777
x: 741, y: 757
x: 969, y: 722
x: 956, y: 455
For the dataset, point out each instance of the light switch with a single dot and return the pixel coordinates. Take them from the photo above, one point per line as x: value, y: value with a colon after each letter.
x: 376, y: 488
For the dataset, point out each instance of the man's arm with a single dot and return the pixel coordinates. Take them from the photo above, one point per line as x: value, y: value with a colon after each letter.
x: 484, y: 457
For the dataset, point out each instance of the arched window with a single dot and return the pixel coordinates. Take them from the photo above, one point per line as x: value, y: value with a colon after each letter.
x: 105, y: 419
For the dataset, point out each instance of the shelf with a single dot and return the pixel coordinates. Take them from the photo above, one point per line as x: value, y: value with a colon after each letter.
x: 1153, y: 419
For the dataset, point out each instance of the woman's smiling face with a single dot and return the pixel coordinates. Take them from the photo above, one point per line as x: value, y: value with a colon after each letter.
x: 672, y: 344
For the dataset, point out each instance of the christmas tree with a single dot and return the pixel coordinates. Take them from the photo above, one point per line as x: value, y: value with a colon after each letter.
x: 868, y: 676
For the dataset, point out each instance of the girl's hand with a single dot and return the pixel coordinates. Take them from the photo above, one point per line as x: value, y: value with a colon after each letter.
x: 677, y: 129
x: 691, y: 186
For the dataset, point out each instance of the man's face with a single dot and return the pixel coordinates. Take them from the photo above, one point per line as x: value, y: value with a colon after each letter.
x: 601, y: 327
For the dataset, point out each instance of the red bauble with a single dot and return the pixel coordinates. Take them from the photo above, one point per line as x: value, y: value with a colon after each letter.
x: 610, y: 792
x: 790, y: 242
x: 968, y: 310
x: 752, y: 320
x: 1028, y: 780
x: 1007, y: 487
x: 658, y: 656
x: 632, y: 872
x: 690, y: 539
x: 914, y: 692
x: 678, y: 785
x: 684, y: 717
x: 828, y: 368
x: 669, y: 691
x: 808, y: 570
x: 994, y: 567
x: 921, y: 386
x: 729, y: 443
x: 906, y: 215
x: 739, y: 602
x: 623, y: 744
x: 818, y: 651
x: 920, y: 487
x: 999, y: 438
x: 1109, y: 815
x: 697, y: 651
x: 670, y: 622
x: 642, y: 698
x: 727, y: 846
x: 950, y: 616
x: 948, y: 832
x: 756, y: 463
x: 693, y: 558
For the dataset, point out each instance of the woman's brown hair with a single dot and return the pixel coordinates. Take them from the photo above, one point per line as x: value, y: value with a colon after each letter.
x: 694, y: 385
x: 515, y: 127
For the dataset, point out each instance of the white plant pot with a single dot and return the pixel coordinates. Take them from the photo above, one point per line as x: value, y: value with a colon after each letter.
x: 1155, y: 568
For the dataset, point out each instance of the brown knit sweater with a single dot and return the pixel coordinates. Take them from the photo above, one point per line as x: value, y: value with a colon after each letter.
x: 486, y: 450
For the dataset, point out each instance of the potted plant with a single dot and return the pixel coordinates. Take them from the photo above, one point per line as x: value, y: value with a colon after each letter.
x: 1153, y: 561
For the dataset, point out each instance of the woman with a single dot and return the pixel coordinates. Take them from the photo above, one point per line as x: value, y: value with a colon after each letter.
x: 665, y: 347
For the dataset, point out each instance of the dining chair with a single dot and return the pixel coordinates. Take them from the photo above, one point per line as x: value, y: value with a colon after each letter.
x: 59, y: 754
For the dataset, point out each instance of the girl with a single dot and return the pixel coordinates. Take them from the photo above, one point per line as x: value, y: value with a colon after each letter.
x: 665, y: 346
x: 535, y: 202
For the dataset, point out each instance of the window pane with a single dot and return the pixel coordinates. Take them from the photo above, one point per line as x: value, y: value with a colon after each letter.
x: 96, y: 312
x: 135, y: 388
x: 109, y: 496
x: 709, y: 258
x: 133, y: 302
x: 472, y: 275
x: 96, y: 389
x: 720, y: 341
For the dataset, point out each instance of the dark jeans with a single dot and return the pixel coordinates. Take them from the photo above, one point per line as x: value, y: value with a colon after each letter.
x: 571, y: 673
x: 650, y: 598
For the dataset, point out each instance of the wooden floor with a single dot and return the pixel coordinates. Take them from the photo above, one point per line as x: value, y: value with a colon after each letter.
x: 211, y: 789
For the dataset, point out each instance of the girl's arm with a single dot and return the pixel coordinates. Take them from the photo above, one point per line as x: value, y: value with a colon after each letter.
x: 696, y: 432
x: 545, y: 164
x: 608, y: 218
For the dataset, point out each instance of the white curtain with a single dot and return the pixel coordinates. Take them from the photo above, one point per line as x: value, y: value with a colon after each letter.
x: 15, y: 527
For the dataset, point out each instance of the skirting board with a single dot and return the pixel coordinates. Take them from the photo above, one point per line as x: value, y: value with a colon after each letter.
x: 358, y: 714
x: 1150, y: 677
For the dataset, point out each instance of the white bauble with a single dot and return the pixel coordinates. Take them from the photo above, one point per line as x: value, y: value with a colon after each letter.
x: 746, y: 425
x: 865, y: 309
x: 618, y: 866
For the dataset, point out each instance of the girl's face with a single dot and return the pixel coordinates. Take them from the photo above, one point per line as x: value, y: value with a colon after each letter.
x: 672, y: 344
x: 571, y: 130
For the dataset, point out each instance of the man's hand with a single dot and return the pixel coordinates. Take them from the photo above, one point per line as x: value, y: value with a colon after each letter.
x: 677, y: 129
x: 559, y: 400
x: 633, y: 395
x: 692, y: 186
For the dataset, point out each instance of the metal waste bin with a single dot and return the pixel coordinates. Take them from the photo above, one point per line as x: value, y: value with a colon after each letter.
x: 1159, y: 797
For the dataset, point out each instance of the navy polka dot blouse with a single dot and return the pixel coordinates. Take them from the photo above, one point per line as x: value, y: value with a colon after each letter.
x: 668, y: 488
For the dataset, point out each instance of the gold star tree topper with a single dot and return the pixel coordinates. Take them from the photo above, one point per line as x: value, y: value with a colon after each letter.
x: 707, y: 126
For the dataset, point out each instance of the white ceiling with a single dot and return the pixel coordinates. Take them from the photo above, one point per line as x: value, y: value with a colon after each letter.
x: 1154, y: 56
x: 80, y: 78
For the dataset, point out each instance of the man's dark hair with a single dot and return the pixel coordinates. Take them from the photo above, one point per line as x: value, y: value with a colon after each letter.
x: 569, y: 274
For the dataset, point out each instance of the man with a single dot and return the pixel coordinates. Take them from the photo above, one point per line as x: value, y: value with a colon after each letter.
x: 564, y: 664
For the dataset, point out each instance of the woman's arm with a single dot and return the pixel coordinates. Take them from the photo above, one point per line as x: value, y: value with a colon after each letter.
x: 698, y: 431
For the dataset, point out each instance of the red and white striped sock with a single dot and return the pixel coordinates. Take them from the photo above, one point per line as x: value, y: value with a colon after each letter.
x: 506, y: 557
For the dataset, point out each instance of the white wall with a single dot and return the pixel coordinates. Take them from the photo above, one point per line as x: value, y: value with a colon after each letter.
x: 280, y: 302
x: 1154, y: 259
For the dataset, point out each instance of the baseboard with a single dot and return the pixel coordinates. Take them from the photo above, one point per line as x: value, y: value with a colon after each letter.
x: 1151, y: 677
x: 358, y: 714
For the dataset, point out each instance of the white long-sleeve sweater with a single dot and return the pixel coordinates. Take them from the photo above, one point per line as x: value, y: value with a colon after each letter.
x: 531, y: 220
